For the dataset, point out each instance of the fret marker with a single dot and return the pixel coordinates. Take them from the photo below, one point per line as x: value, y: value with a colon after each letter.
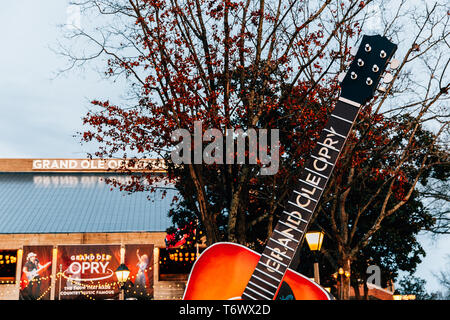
x: 309, y: 184
x: 300, y: 204
x: 284, y: 241
x: 259, y: 287
x: 251, y: 297
x: 265, y: 281
x: 258, y: 293
x: 291, y: 220
x: 266, y: 274
x: 271, y: 268
x: 330, y: 142
x: 303, y: 194
x: 272, y: 259
x: 323, y: 160
x: 316, y: 173
x: 296, y: 215
x: 278, y: 252
x: 335, y: 133
x: 340, y: 118
x: 290, y: 227
x: 329, y: 147
x: 315, y: 180
x: 350, y: 102
x: 323, y: 152
x: 316, y: 161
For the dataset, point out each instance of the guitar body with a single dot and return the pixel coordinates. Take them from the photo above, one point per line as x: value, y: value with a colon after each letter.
x: 223, y: 270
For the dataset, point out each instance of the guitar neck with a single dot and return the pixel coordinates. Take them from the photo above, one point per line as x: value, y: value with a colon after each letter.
x: 301, y: 204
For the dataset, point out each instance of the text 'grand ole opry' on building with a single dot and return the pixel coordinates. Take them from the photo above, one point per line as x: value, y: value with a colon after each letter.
x: 64, y: 233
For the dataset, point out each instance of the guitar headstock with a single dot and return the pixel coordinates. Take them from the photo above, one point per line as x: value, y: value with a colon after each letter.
x: 366, y: 69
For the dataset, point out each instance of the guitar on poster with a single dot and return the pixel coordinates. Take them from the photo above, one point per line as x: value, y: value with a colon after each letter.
x: 32, y: 270
x: 232, y: 271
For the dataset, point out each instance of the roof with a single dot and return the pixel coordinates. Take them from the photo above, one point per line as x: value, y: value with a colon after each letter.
x: 77, y: 203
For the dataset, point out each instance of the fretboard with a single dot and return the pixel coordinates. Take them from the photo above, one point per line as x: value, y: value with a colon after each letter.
x: 299, y: 208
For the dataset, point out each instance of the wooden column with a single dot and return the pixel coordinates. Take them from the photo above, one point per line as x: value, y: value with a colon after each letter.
x: 54, y: 272
x: 18, y: 271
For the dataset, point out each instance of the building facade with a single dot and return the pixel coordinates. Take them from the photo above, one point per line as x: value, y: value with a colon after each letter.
x: 64, y: 232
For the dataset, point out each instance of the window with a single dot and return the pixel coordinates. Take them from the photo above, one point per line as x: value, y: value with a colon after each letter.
x: 176, y: 263
x: 8, y: 263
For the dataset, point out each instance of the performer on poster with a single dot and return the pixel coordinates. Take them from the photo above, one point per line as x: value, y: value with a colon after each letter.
x: 31, y: 270
x: 141, y: 278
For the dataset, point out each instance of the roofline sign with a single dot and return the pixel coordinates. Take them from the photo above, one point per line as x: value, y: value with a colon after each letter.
x: 97, y: 165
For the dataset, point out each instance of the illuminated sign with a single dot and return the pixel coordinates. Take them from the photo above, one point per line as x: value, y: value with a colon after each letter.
x: 93, y: 266
x: 83, y: 271
x: 96, y: 164
x: 87, y: 271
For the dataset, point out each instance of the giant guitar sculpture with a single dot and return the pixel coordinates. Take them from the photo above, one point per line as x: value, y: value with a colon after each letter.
x: 231, y: 271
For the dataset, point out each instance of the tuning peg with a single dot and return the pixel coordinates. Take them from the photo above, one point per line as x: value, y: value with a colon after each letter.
x: 388, y: 78
x: 381, y: 89
x: 395, y: 64
x: 341, y: 76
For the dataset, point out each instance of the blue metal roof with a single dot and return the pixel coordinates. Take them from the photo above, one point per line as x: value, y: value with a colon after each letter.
x: 77, y: 203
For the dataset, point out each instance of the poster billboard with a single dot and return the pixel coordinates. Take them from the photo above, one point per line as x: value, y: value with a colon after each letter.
x: 87, y: 272
x: 35, y: 278
x: 139, y: 260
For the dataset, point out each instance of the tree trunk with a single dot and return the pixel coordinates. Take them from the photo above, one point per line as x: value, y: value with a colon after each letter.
x: 346, y: 284
x: 356, y: 289
x: 241, y: 228
x: 207, y: 217
x: 233, y: 216
x: 344, y: 292
x: 366, y: 291
x: 211, y: 231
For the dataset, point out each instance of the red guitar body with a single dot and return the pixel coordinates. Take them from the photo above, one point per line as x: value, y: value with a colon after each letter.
x: 223, y: 270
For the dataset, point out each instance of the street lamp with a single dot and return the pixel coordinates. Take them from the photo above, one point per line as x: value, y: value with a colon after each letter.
x: 314, y: 240
x: 397, y: 295
x: 122, y: 274
x: 342, y: 273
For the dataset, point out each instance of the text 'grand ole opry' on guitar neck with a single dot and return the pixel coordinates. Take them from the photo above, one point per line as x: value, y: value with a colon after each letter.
x: 231, y: 271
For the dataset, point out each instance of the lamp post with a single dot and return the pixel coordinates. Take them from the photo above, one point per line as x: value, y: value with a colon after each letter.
x: 122, y: 274
x: 396, y: 295
x: 341, y: 273
x: 341, y: 280
x: 314, y: 240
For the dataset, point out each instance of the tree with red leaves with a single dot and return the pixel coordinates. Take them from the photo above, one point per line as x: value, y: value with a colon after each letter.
x: 267, y: 65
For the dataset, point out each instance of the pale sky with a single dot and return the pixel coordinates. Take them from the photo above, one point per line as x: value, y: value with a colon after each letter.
x: 40, y: 113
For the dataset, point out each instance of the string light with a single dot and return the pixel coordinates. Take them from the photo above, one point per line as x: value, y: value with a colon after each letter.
x: 12, y: 290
